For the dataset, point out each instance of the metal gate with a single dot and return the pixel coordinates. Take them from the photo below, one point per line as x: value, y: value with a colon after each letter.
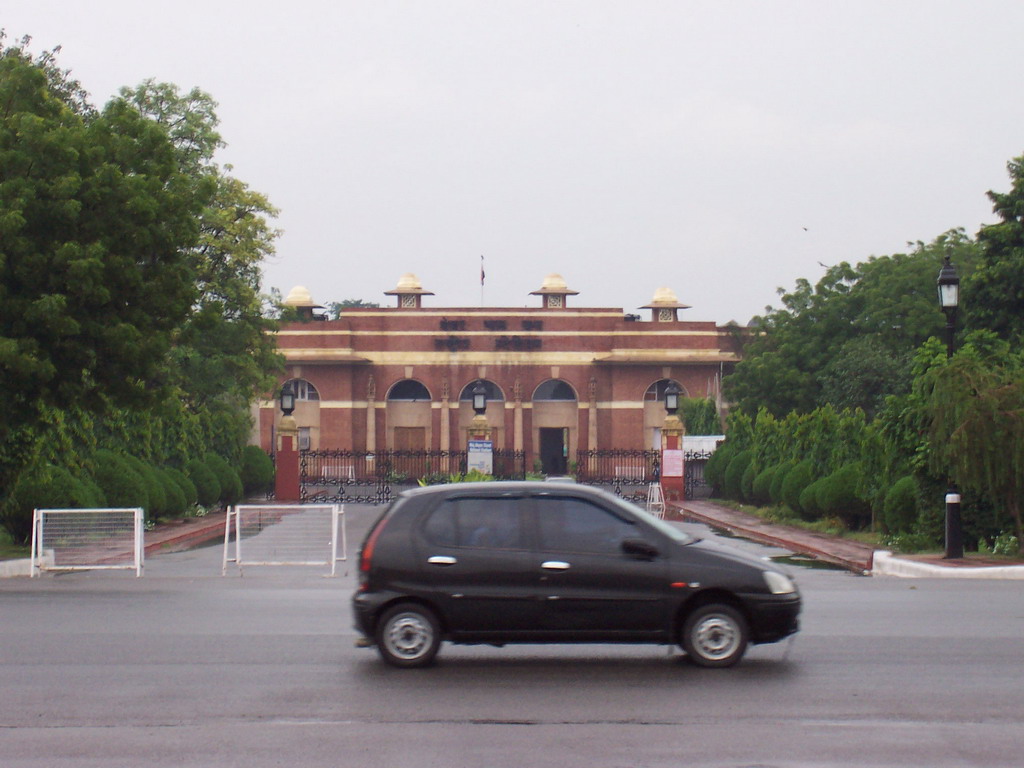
x: 374, y: 477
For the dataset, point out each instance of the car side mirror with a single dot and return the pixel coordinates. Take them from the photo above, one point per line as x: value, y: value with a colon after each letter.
x: 639, y: 548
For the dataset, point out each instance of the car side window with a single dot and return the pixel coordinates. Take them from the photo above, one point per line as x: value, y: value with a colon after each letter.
x: 567, y: 524
x: 479, y: 522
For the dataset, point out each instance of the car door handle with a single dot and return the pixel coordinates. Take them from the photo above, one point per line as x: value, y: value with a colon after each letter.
x: 442, y: 560
x: 555, y: 565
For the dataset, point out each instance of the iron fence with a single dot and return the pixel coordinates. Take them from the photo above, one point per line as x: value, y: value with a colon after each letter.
x: 374, y: 477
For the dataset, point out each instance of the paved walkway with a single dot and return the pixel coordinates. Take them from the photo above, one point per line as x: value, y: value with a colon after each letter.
x: 855, y: 556
x: 183, y: 534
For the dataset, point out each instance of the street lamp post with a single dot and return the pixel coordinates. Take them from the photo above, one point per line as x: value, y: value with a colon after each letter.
x: 287, y: 486
x: 949, y: 299
x: 672, y: 470
x: 479, y: 398
x: 287, y: 399
x: 672, y: 398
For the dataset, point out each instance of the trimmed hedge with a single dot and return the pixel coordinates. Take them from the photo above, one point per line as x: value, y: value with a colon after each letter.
x: 118, y: 480
x: 839, y: 495
x: 747, y: 482
x: 175, y: 497
x: 810, y: 509
x: 714, y: 470
x: 156, y: 497
x: 778, y: 479
x: 734, y: 474
x: 761, y: 488
x: 899, y: 510
x: 43, y: 486
x: 230, y: 483
x: 798, y: 478
x: 188, y: 488
x: 257, y: 472
x: 206, y: 483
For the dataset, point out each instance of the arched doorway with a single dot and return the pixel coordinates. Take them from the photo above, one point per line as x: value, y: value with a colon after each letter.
x: 555, y: 419
x: 408, y: 416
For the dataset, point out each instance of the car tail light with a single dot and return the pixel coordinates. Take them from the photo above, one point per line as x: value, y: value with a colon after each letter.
x: 371, y: 542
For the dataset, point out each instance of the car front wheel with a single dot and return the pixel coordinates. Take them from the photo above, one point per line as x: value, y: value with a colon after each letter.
x: 408, y: 636
x: 714, y: 636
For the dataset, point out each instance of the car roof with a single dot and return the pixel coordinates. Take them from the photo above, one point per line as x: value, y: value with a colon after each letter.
x: 507, y: 486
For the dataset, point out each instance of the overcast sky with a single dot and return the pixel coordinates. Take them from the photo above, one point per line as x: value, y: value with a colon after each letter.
x: 722, y: 149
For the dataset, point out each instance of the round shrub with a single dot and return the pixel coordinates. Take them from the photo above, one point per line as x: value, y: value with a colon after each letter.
x: 809, y: 507
x: 175, y: 498
x: 714, y: 470
x: 120, y: 483
x: 42, y: 486
x: 747, y: 482
x: 798, y: 478
x: 230, y: 484
x: 156, y: 505
x: 206, y: 484
x: 257, y: 471
x: 899, y: 510
x: 775, y: 489
x: 734, y: 474
x: 188, y: 488
x: 92, y: 495
x: 838, y: 496
x: 760, y: 490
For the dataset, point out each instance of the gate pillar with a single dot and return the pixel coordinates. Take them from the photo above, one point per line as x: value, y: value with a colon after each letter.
x: 286, y: 474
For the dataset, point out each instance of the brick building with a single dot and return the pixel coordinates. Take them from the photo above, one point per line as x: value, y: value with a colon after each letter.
x: 558, y: 378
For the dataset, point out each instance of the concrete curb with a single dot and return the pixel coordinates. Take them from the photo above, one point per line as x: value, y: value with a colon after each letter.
x: 23, y: 566
x: 885, y: 564
x: 11, y: 568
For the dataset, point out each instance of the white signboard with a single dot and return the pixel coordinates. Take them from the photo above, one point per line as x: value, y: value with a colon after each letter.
x: 480, y: 456
x: 671, y: 463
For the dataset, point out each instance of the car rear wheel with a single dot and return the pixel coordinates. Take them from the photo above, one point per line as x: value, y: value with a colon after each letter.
x: 408, y: 636
x: 714, y: 636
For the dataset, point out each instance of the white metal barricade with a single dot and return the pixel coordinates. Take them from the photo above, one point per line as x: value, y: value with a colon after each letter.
x: 285, y: 534
x: 656, y: 500
x: 87, y: 540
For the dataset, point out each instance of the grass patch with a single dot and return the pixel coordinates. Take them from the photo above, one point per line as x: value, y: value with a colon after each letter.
x: 783, y: 515
x: 10, y: 551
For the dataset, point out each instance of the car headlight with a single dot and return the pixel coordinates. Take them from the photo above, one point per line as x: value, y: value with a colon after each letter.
x: 779, y: 583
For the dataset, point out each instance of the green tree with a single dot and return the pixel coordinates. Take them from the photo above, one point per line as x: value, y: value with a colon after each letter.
x: 700, y: 416
x: 223, y: 351
x: 994, y: 292
x: 846, y: 341
x: 96, y: 219
x: 337, y: 307
x: 973, y: 409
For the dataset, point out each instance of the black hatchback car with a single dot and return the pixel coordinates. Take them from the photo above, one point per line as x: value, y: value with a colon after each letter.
x: 533, y: 562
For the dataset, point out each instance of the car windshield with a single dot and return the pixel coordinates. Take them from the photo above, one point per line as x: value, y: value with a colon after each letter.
x: 674, y: 533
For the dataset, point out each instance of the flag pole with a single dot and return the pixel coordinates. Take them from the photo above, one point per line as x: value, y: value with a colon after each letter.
x: 481, y: 280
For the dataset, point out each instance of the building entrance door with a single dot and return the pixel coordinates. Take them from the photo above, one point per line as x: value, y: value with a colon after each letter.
x: 553, y: 450
x: 410, y: 438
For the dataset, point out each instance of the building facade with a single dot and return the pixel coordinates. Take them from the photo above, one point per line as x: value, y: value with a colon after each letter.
x: 558, y: 379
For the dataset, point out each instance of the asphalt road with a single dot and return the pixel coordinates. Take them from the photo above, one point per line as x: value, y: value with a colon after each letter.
x: 186, y: 668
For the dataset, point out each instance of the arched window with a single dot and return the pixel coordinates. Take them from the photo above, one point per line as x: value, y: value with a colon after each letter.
x: 657, y: 390
x: 493, y: 392
x: 554, y: 389
x: 303, y: 389
x: 409, y: 391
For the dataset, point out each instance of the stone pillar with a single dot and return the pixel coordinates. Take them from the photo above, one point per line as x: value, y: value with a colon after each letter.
x: 672, y: 470
x: 286, y: 475
x: 517, y: 416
